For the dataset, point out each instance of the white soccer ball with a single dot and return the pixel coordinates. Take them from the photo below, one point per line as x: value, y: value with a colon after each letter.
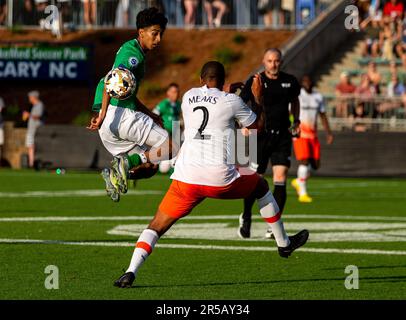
x: 165, y: 166
x: 120, y: 83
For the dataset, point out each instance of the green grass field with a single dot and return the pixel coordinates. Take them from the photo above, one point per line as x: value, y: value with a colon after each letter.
x: 67, y: 221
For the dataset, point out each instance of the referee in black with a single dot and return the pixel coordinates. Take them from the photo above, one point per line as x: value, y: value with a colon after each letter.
x: 275, y: 141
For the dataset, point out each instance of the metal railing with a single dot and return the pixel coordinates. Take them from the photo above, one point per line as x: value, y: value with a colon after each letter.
x: 80, y: 14
x: 360, y: 113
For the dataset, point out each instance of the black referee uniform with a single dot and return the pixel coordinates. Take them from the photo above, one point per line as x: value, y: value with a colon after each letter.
x: 275, y: 142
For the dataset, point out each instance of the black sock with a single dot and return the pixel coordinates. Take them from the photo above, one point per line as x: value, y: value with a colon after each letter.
x: 248, y: 203
x: 279, y: 193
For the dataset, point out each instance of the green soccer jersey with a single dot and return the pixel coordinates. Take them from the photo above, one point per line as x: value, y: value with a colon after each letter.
x: 130, y: 56
x: 169, y: 112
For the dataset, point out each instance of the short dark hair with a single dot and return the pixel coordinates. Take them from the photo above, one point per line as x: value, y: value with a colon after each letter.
x: 150, y: 17
x: 213, y: 70
x: 172, y: 84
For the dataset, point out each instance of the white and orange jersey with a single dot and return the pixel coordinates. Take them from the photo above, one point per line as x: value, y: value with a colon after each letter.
x: 311, y: 104
x: 207, y: 153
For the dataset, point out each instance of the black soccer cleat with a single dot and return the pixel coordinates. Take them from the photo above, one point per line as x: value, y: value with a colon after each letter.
x: 296, y: 241
x: 125, y: 281
x: 244, y: 231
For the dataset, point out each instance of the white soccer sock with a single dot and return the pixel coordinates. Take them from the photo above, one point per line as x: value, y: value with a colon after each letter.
x: 143, y: 249
x: 270, y: 212
x: 303, y: 172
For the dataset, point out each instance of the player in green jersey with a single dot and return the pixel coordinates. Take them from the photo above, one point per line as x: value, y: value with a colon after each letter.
x: 169, y: 109
x: 126, y: 127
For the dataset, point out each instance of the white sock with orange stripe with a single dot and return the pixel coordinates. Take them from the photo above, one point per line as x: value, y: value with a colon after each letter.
x: 303, y: 173
x: 270, y: 212
x: 143, y: 249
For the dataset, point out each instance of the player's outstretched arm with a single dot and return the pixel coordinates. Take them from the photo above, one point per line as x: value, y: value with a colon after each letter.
x: 97, y: 121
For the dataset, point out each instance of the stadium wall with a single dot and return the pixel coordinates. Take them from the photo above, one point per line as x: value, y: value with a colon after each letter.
x: 351, y: 154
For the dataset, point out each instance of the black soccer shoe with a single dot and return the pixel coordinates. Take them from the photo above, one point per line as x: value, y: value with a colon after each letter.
x: 125, y: 281
x: 244, y: 231
x: 296, y: 241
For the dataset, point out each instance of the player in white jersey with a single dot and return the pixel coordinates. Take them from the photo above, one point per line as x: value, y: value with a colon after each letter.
x: 203, y: 169
x: 307, y: 146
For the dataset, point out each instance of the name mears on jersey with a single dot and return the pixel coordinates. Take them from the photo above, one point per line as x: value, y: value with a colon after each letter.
x: 199, y: 99
x: 207, y: 154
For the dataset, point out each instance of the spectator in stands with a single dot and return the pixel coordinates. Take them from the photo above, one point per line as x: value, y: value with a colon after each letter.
x: 372, y: 29
x: 374, y: 10
x: 374, y: 76
x: 221, y: 8
x: 40, y: 6
x: 344, y: 91
x: 170, y: 10
x: 401, y: 45
x: 393, y: 9
x: 396, y: 92
x: 35, y: 120
x: 365, y: 93
x: 66, y: 10
x: 190, y: 15
x: 28, y: 13
x: 108, y: 12
x: 365, y: 90
x: 1, y: 129
x: 89, y: 12
x: 356, y: 117
x: 395, y: 88
x: 267, y: 7
x: 3, y: 12
x: 122, y: 13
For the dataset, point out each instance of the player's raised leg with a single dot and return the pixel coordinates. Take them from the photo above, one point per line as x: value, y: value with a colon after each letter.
x: 160, y: 147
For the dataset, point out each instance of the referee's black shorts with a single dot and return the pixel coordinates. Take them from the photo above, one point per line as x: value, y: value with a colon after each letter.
x: 274, y: 145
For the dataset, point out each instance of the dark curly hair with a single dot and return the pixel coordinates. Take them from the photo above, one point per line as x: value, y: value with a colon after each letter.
x: 150, y: 17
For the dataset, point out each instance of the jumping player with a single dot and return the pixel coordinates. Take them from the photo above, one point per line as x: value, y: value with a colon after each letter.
x: 307, y: 146
x: 126, y: 127
x: 202, y: 169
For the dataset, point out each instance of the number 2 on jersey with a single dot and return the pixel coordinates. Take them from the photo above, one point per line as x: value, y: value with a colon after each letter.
x: 199, y: 134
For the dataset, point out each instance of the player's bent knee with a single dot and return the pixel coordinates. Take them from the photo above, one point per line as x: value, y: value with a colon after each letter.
x: 262, y: 188
x: 161, y: 222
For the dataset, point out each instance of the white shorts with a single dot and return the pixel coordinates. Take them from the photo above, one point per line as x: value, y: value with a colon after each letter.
x: 128, y: 131
x: 30, y: 138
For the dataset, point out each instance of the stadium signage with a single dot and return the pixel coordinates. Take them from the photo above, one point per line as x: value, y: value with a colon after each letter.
x: 45, y: 63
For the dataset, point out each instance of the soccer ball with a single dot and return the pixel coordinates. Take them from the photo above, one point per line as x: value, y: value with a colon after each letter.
x: 165, y: 166
x: 120, y: 83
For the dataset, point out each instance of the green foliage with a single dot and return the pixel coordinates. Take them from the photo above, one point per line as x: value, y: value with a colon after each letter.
x: 82, y: 119
x: 239, y: 38
x: 179, y: 58
x: 11, y: 112
x: 227, y: 56
x: 17, y: 29
x: 151, y: 89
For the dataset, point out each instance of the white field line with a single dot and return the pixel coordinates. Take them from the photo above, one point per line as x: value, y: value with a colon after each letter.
x: 72, y: 193
x: 197, y: 217
x: 204, y: 247
x: 351, y: 231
